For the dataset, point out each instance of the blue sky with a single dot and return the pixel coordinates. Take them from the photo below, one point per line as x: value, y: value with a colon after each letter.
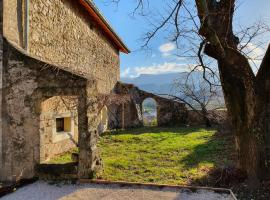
x: 160, y: 59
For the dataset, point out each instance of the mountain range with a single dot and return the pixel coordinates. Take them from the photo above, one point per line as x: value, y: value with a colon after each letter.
x: 158, y: 83
x: 163, y: 84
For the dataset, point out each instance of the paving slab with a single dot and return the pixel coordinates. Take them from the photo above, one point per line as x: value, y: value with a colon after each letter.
x: 43, y: 191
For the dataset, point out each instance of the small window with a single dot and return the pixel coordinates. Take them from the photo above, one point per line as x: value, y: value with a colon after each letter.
x: 63, y: 124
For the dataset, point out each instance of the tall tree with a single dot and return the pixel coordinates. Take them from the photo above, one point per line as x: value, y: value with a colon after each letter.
x: 246, y: 94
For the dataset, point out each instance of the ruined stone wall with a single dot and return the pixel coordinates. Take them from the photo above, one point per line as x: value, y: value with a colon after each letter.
x: 169, y: 112
x: 61, y: 32
x: 53, y: 143
x: 26, y: 84
x: 216, y: 117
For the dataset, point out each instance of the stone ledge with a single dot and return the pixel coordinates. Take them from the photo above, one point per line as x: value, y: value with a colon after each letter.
x: 158, y: 186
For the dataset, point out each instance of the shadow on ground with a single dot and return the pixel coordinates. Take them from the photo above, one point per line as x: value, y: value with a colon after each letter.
x: 216, y: 151
x: 156, y: 129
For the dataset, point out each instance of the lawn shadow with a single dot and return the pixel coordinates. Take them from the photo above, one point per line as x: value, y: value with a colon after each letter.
x: 156, y: 129
x: 219, y: 150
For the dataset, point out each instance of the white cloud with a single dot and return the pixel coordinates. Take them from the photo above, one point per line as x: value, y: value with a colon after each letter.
x: 125, y: 73
x: 255, y: 54
x: 253, y: 50
x: 167, y: 48
x: 155, y: 69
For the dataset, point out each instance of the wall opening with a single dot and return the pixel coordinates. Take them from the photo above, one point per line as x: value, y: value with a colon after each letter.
x: 103, y: 124
x: 58, y: 126
x: 149, y: 111
x: 63, y: 124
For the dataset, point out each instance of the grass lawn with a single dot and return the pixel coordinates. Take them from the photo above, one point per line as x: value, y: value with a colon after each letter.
x: 162, y: 155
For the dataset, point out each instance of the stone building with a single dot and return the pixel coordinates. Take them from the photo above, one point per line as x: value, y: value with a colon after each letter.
x: 58, y: 55
x: 57, y: 58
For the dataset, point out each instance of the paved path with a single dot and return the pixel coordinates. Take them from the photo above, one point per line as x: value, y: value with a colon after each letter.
x: 43, y: 191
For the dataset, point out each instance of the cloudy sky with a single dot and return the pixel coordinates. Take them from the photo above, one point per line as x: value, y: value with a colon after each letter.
x: 161, y: 58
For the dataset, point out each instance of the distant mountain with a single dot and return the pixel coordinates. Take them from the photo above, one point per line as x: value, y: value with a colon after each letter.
x: 163, y: 83
x: 157, y: 83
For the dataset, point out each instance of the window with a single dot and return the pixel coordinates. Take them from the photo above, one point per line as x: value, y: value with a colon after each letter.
x: 63, y: 124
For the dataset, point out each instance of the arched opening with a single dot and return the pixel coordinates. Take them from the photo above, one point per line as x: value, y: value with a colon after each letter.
x: 149, y: 112
x: 103, y: 125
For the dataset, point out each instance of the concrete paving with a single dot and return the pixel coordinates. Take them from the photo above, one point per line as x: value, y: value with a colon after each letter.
x: 44, y: 191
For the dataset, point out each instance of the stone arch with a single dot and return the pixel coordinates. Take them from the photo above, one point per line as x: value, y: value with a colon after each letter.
x: 169, y: 111
x: 149, y: 109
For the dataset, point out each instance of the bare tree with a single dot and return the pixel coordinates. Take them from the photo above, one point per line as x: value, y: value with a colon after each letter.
x: 196, y: 94
x: 246, y: 94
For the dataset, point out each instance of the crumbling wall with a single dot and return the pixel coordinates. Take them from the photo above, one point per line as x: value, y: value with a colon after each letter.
x: 169, y: 112
x: 129, y: 115
x: 27, y: 83
x: 216, y: 118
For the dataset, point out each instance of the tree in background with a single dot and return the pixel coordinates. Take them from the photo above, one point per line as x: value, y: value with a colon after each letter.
x: 195, y: 92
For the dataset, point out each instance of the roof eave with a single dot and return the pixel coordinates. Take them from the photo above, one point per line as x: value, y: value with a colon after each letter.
x: 94, y: 12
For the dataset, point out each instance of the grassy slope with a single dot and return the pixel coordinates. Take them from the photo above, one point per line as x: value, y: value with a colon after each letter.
x: 162, y: 155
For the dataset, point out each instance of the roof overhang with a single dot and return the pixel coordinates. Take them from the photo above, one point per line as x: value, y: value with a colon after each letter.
x: 101, y: 21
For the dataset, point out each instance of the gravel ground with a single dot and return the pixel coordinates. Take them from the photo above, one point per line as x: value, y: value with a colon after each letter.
x: 43, y: 191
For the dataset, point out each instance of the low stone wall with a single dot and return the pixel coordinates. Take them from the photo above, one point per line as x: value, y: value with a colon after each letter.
x: 217, y: 118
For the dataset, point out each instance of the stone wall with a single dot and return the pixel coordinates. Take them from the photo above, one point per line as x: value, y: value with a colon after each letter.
x: 62, y: 33
x: 216, y: 117
x: 169, y: 112
x: 51, y: 142
x: 27, y: 83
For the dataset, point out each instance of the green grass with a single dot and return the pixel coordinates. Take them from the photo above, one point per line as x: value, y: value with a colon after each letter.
x: 162, y: 155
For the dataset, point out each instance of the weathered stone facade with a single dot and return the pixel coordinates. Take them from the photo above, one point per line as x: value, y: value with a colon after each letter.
x: 25, y: 89
x: 63, y: 33
x: 71, y: 52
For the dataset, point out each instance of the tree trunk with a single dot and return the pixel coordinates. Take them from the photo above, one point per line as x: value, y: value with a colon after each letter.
x: 207, y: 121
x: 248, y: 109
x: 246, y: 95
